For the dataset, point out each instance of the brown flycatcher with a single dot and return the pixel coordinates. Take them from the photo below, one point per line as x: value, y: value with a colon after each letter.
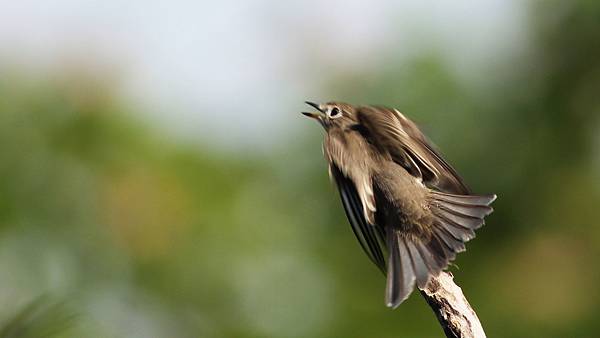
x: 409, y: 209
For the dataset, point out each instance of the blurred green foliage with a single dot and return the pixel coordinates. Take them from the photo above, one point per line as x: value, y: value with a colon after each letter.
x: 41, y: 317
x: 148, y: 237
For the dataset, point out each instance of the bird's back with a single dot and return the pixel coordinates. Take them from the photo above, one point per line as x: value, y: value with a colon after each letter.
x: 402, y: 200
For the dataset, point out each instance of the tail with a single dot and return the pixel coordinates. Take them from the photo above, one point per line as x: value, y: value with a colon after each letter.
x: 414, y: 259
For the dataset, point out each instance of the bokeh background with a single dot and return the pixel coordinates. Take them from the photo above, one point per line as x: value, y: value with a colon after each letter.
x: 157, y: 179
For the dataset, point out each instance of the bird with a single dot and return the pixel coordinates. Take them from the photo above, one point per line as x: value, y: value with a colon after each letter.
x: 408, y: 207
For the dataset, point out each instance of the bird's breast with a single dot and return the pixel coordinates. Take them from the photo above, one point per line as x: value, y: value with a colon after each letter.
x: 349, y: 151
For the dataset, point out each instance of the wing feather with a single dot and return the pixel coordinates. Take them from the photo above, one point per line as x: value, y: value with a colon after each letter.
x: 367, y: 234
x: 395, y: 134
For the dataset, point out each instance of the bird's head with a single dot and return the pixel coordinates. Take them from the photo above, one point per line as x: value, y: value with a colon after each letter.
x: 333, y: 114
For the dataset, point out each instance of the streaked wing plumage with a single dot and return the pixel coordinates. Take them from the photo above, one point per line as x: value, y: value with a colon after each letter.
x: 401, y: 138
x: 368, y: 235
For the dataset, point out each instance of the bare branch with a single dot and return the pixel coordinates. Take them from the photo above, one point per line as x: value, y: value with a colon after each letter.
x: 452, y: 308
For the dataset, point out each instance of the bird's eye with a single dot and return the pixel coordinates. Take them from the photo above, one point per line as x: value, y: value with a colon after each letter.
x: 335, y: 112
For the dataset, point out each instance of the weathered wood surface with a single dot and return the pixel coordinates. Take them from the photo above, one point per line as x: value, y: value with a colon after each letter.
x: 455, y: 314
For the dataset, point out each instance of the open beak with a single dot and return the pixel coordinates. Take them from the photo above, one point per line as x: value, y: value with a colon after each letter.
x: 314, y: 105
x: 312, y: 115
x: 316, y: 116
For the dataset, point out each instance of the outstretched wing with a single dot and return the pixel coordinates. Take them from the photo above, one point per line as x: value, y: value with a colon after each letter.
x: 368, y: 235
x: 395, y: 134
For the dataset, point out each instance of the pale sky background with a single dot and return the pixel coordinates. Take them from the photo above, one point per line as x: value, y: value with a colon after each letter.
x: 235, y: 72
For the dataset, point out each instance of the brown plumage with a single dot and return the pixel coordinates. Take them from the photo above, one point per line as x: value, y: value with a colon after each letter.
x: 409, y: 209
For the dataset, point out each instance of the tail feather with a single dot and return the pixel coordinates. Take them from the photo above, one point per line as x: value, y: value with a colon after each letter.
x: 400, y: 273
x: 415, y: 260
x: 453, y: 218
x: 421, y: 269
x: 458, y: 213
x: 433, y: 254
x: 457, y: 231
x: 464, y: 199
x: 476, y: 211
x: 452, y: 243
x: 410, y: 262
